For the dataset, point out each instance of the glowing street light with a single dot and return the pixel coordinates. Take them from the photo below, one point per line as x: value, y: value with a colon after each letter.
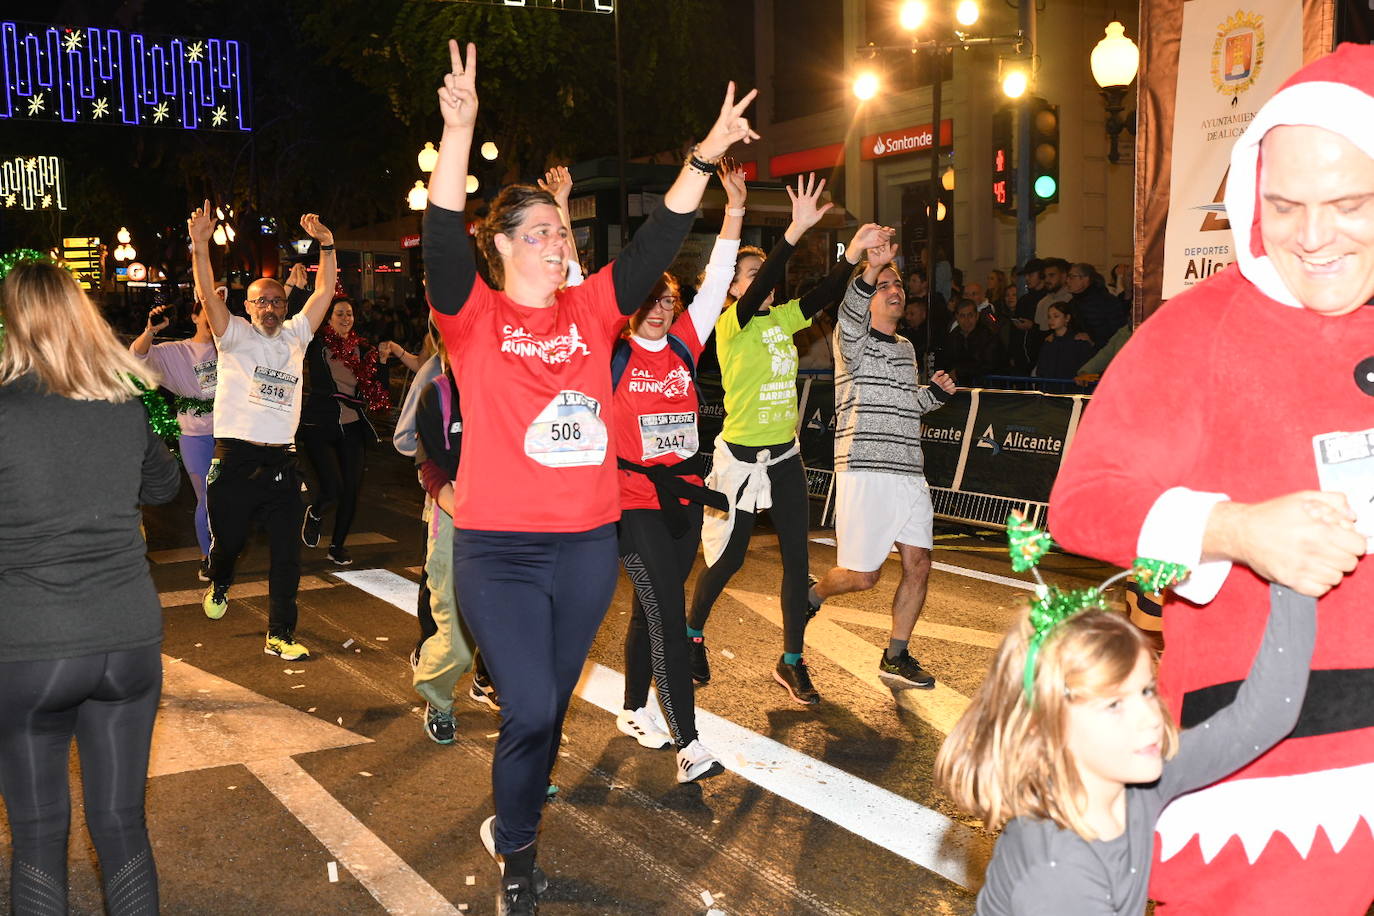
x: 489, y: 151
x: 428, y: 157
x: 122, y: 236
x: 966, y: 12
x: 1115, y: 59
x: 418, y: 198
x: 912, y: 15
x: 866, y: 85
x: 1014, y: 84
x: 473, y: 184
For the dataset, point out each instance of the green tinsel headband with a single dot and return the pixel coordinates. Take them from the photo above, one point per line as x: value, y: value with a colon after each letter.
x: 1053, y: 605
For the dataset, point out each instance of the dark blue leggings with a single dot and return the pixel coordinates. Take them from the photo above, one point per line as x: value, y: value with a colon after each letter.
x: 108, y: 702
x: 534, y: 602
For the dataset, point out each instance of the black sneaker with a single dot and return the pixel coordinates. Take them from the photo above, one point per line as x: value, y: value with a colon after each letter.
x: 906, y: 668
x: 310, y: 528
x: 516, y: 898
x: 811, y: 609
x: 340, y: 555
x: 701, y: 665
x: 203, y: 574
x: 797, y: 679
x: 487, y: 834
x: 481, y: 691
x: 439, y: 725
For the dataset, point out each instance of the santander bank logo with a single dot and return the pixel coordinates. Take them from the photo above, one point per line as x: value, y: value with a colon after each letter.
x: 905, y: 140
x: 880, y: 147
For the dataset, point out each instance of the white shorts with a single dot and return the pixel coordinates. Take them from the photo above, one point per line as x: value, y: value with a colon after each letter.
x: 874, y: 511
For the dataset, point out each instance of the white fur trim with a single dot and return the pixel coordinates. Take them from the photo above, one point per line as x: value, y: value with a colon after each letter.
x: 1173, y: 532
x: 1337, y: 107
x: 1256, y: 809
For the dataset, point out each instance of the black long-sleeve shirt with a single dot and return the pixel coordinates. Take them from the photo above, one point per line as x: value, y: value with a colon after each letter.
x: 73, y: 573
x: 774, y: 268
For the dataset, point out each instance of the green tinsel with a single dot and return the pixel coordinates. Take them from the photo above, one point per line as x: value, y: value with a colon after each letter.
x: 18, y: 255
x: 161, y: 417
x: 1049, y: 610
x: 1157, y: 575
x: 196, y: 407
x: 1027, y: 543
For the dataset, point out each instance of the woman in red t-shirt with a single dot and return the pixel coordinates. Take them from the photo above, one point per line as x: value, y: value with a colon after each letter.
x: 535, y: 499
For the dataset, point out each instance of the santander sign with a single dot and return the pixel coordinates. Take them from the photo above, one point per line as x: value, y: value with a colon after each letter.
x: 906, y: 140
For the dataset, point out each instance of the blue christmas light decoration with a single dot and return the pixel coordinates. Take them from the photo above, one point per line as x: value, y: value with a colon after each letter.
x: 108, y: 76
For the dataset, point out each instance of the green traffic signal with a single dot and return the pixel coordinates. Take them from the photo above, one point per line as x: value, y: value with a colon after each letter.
x: 1046, y: 187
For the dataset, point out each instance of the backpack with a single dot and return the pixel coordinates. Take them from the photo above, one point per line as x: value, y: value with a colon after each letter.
x: 620, y: 358
x: 444, y: 384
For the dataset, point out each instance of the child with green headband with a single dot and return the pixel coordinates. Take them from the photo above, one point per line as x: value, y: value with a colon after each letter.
x: 1068, y: 745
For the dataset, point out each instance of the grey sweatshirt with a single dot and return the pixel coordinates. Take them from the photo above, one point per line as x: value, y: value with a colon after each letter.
x: 1041, y: 869
x: 878, y: 405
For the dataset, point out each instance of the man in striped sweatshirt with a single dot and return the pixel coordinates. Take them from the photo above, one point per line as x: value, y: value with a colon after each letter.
x: 881, y: 495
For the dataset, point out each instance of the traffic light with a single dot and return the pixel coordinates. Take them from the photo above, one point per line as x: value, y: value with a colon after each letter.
x: 1003, y: 161
x: 1044, y: 143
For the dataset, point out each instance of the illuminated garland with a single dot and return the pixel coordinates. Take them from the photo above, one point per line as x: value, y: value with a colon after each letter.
x: 1053, y: 605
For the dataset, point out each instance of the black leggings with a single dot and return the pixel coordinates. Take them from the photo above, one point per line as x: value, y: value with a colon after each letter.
x: 791, y: 515
x: 338, y: 462
x: 655, y: 645
x: 108, y: 702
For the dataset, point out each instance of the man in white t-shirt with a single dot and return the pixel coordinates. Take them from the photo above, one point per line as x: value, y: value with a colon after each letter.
x: 257, y: 407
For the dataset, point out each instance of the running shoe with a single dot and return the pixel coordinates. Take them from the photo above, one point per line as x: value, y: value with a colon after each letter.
x: 701, y: 666
x: 797, y: 681
x: 481, y: 691
x: 203, y: 574
x: 696, y: 762
x: 488, y: 834
x: 812, y: 609
x: 340, y: 555
x: 641, y: 725
x: 285, y: 647
x: 439, y: 725
x: 906, y: 668
x: 216, y: 601
x: 517, y: 899
x: 310, y: 528
x: 415, y: 657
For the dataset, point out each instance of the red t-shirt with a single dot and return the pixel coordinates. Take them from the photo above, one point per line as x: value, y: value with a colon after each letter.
x: 655, y: 414
x: 536, y: 384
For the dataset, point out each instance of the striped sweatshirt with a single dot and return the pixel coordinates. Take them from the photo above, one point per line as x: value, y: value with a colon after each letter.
x: 878, y: 405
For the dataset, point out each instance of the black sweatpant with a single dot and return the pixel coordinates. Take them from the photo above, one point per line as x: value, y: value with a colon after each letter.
x: 107, y: 702
x: 534, y: 601
x: 336, y: 454
x: 262, y: 481
x: 655, y: 643
x: 791, y: 516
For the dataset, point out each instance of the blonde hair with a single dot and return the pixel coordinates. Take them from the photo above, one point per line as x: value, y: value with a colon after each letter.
x: 1008, y: 757
x: 53, y: 330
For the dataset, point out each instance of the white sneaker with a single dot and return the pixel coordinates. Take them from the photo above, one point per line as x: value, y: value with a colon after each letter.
x: 695, y: 762
x: 641, y: 725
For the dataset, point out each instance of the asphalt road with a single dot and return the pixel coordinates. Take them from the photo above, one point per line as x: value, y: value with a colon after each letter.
x: 309, y: 787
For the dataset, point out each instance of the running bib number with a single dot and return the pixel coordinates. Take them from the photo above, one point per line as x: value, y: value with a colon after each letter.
x: 568, y: 433
x: 273, y: 388
x: 668, y: 434
x: 207, y: 373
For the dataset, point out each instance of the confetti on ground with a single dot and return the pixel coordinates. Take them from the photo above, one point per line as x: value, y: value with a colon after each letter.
x: 311, y: 709
x: 727, y: 653
x: 493, y: 734
x: 349, y: 643
x: 462, y: 907
x: 364, y: 773
x: 741, y: 760
x: 383, y: 639
x: 340, y: 720
x: 297, y: 686
x: 707, y: 899
x: 359, y: 651
x: 203, y: 690
x: 472, y: 879
x: 333, y: 872
x: 207, y: 715
x: 175, y: 660
x: 566, y: 754
x: 715, y: 912
x: 233, y: 787
x: 198, y: 645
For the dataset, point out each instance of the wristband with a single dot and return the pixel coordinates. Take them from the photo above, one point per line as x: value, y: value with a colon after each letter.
x: 699, y: 165
x: 735, y: 211
x: 326, y: 248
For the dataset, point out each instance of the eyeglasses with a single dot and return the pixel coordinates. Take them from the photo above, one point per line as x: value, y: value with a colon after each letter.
x: 269, y: 301
x: 665, y: 302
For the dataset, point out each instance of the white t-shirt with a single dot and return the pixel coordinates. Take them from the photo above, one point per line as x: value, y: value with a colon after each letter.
x: 258, y: 392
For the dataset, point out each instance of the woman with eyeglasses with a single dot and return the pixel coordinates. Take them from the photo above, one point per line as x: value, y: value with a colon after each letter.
x: 345, y: 378
x: 188, y: 370
x: 757, y: 461
x: 536, y: 497
x: 80, y: 619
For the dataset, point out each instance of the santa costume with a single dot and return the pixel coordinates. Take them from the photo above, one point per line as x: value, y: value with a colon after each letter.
x: 1218, y: 396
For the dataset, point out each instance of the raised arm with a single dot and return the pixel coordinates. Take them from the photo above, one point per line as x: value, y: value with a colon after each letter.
x: 656, y: 243
x: 201, y: 226
x: 832, y: 287
x: 317, y: 306
x: 805, y: 214
x: 144, y: 342
x: 720, y: 270
x: 450, y: 269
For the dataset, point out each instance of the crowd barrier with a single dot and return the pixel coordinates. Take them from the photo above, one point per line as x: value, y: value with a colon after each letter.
x: 987, y: 451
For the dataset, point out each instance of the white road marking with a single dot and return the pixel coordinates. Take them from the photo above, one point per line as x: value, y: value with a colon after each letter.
x: 187, y: 554
x: 919, y: 834
x: 246, y: 590
x: 940, y: 707
x: 941, y: 631
x: 960, y: 570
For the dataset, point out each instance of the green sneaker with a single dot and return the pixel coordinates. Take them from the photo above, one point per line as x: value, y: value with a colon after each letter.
x: 216, y: 602
x: 285, y: 647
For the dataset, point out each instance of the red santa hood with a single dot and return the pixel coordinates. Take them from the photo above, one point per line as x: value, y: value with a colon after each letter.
x: 1335, y: 92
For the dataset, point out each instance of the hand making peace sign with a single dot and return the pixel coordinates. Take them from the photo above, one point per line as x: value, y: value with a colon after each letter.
x: 458, y: 95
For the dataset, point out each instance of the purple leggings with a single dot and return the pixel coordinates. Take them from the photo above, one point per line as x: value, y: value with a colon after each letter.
x: 196, y: 452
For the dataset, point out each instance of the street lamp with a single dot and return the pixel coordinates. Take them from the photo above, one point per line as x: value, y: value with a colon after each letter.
x: 489, y: 151
x: 1114, y: 63
x: 866, y: 85
x: 1014, y: 83
x: 912, y: 15
x: 418, y: 198
x: 428, y: 157
x: 966, y: 12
